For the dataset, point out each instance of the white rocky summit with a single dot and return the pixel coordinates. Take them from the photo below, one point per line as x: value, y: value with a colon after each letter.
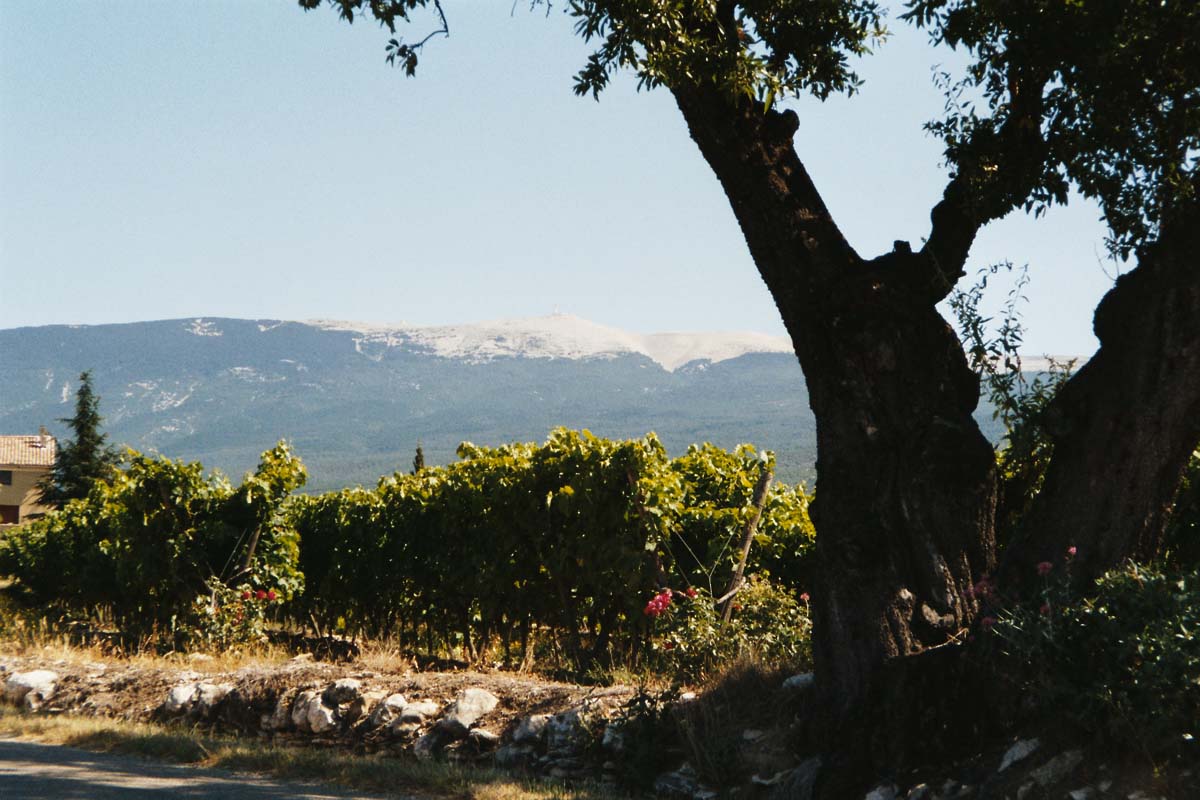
x: 556, y: 336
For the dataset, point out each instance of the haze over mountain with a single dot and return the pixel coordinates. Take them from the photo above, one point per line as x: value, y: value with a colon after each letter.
x: 355, y: 399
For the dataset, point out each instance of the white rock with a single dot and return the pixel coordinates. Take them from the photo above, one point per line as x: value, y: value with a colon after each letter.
x: 425, y: 747
x: 801, y: 682
x: 300, y: 708
x: 32, y: 688
x: 469, y: 706
x: 180, y: 698
x: 321, y: 717
x: 279, y: 718
x: 530, y: 728
x: 1057, y: 768
x: 209, y: 694
x: 345, y: 690
x: 614, y: 738
x: 1020, y: 750
x: 919, y: 792
x: 419, y: 711
x: 882, y: 792
x: 391, y: 708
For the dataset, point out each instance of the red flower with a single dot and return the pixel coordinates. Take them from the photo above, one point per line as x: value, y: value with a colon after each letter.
x: 691, y: 592
x: 737, y: 606
x: 246, y: 595
x: 658, y: 604
x: 260, y: 595
x: 1044, y: 568
x: 1045, y: 609
x: 668, y: 645
x: 271, y: 594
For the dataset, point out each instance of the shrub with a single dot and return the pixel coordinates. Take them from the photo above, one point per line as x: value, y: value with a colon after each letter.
x: 768, y: 623
x: 1123, y: 663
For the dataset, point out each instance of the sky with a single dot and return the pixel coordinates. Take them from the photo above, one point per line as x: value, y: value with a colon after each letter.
x: 244, y: 158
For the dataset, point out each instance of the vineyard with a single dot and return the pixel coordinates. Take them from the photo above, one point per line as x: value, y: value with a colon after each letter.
x: 579, y: 554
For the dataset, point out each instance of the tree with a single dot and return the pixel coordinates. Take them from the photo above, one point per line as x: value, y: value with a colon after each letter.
x: 1103, y: 96
x: 82, y: 461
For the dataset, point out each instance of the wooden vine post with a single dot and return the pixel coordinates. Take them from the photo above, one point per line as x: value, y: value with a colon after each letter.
x: 760, y: 500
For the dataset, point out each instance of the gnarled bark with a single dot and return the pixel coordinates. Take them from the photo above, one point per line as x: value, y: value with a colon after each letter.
x: 1125, y: 426
x: 906, y: 489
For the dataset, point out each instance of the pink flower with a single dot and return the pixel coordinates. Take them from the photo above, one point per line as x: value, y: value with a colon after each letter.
x: 987, y: 622
x: 691, y: 592
x: 1044, y: 568
x: 1071, y: 551
x: 260, y: 595
x: 658, y: 604
x: 804, y: 597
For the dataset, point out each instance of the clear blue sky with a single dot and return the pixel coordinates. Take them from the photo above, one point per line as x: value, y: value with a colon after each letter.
x: 237, y: 158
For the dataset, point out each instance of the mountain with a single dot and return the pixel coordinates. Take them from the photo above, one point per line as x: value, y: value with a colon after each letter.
x: 355, y: 399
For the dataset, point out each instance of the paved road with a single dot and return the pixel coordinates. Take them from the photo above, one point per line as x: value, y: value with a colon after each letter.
x: 31, y: 771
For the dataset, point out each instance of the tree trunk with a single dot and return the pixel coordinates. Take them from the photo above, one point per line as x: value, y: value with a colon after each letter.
x: 1125, y: 426
x: 906, y: 481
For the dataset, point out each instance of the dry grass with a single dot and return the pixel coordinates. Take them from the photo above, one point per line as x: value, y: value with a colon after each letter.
x: 377, y: 774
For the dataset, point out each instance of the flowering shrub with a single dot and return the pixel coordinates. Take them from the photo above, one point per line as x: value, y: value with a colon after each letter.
x: 769, y: 622
x: 1122, y: 663
x: 225, y: 616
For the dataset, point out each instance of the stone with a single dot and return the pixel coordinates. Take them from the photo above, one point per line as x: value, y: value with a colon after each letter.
x: 30, y: 688
x: 1024, y: 790
x: 300, y: 708
x: 340, y: 692
x: 680, y: 784
x: 465, y: 711
x: 389, y: 709
x: 882, y: 792
x: 404, y: 730
x: 919, y: 792
x: 799, y: 782
x: 357, y: 708
x: 425, y: 747
x: 209, y: 694
x: 1086, y: 793
x: 565, y: 732
x: 530, y: 728
x: 180, y: 698
x: 1020, y: 750
x: 321, y: 718
x: 614, y: 738
x: 800, y: 683
x: 513, y: 755
x: 419, y: 711
x: 1057, y: 769
x: 280, y: 718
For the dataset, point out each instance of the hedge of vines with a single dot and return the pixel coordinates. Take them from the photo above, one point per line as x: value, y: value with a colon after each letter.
x: 567, y: 540
x: 157, y: 551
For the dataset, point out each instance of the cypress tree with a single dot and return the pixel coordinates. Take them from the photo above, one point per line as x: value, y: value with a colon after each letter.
x: 84, y: 460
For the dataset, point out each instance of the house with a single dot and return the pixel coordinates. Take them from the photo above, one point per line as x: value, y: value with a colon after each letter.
x: 24, y: 460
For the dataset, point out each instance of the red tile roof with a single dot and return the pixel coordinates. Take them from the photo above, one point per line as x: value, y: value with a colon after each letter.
x: 27, y: 451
